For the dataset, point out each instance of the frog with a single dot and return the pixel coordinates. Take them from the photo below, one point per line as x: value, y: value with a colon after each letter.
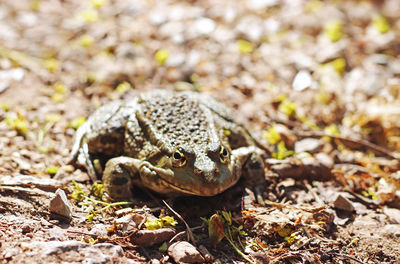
x: 172, y: 143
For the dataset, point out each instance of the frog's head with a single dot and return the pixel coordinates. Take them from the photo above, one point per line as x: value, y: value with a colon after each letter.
x: 202, y: 171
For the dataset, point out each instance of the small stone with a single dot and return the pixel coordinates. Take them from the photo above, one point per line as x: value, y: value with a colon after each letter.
x: 10, y: 252
x: 261, y: 4
x: 391, y: 230
x: 60, y: 205
x: 183, y: 86
x: 204, y: 26
x: 325, y: 159
x: 82, y: 252
x: 157, y: 18
x: 393, y: 214
x: 27, y: 228
x: 311, y: 145
x: 184, y: 252
x: 28, y: 19
x: 302, y: 81
x: 58, y: 247
x: 113, y: 251
x: 152, y: 237
x: 175, y: 60
x: 272, y: 25
x: 343, y: 203
x: 126, y: 223
x: 99, y: 230
x: 251, y: 26
x: 56, y: 233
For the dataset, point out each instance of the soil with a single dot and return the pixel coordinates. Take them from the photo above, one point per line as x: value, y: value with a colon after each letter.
x: 316, y: 82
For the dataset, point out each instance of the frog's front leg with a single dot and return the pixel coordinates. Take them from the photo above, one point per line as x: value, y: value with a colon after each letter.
x: 122, y: 173
x: 253, y: 169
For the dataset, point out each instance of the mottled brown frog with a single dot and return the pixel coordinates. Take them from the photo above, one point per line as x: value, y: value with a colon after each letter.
x: 174, y: 143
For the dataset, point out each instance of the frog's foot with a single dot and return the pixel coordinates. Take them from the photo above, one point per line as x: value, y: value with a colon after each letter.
x: 253, y: 170
x: 118, y: 177
x: 255, y: 175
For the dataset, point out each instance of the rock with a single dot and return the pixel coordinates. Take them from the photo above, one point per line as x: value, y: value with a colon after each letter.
x: 311, y: 145
x: 59, y: 205
x: 250, y: 26
x: 126, y: 223
x: 367, y: 82
x: 341, y: 202
x: 393, y: 214
x: 261, y: 4
x: 112, y: 250
x: 157, y: 17
x: 152, y: 237
x: 44, y: 184
x: 184, y: 252
x: 175, y: 60
x: 74, y: 251
x: 16, y: 74
x: 204, y: 26
x: 325, y: 159
x: 391, y: 230
x: 10, y: 252
x: 56, y: 233
x: 99, y: 230
x: 302, y: 81
x: 28, y: 19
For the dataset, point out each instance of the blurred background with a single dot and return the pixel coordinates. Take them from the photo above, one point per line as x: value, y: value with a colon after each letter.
x: 315, y: 63
x: 313, y: 79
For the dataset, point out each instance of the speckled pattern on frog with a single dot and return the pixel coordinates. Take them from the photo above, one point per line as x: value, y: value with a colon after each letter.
x: 172, y: 143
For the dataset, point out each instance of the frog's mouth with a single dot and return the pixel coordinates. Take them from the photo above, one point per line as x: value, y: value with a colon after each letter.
x: 196, y: 186
x: 203, y: 190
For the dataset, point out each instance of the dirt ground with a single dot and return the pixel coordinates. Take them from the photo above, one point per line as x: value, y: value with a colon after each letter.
x: 318, y: 82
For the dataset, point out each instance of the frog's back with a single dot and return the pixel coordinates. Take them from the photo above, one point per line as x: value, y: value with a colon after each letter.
x: 179, y: 119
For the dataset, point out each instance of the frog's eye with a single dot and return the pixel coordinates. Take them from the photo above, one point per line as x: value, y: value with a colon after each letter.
x: 178, y: 158
x: 223, y: 155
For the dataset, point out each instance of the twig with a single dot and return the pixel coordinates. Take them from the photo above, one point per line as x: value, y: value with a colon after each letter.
x: 375, y: 148
x: 314, y: 194
x: 189, y: 232
x: 292, y: 254
x: 183, y: 232
x: 346, y: 256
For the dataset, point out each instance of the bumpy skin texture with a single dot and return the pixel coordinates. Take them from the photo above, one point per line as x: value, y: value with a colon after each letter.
x: 172, y: 143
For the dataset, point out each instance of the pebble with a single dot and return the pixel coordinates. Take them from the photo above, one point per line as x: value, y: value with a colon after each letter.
x: 175, y: 60
x: 393, y: 214
x: 391, y: 230
x: 99, y: 230
x: 56, y: 233
x: 325, y: 159
x: 358, y: 80
x: 204, y: 26
x: 60, y: 205
x: 28, y: 19
x: 261, y: 4
x: 184, y: 252
x: 151, y: 237
x: 98, y: 253
x: 251, y: 27
x: 341, y: 202
x: 302, y: 81
x: 311, y: 145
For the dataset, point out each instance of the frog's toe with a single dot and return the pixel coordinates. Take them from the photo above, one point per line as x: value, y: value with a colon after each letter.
x: 255, y: 176
x: 254, y: 168
x: 117, y: 181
